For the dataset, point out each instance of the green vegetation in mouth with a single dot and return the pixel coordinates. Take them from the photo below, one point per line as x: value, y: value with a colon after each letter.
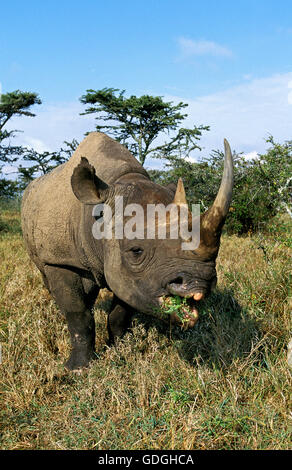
x: 178, y: 306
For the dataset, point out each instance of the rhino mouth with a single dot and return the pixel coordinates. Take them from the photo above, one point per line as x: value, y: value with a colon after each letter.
x: 182, y: 310
x: 178, y: 287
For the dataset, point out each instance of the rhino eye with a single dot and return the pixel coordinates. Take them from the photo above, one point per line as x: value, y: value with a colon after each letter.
x: 136, y: 251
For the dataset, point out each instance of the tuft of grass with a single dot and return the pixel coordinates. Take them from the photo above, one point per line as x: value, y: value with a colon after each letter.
x: 223, y: 385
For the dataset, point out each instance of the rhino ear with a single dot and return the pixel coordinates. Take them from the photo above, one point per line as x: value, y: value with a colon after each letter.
x: 86, y: 186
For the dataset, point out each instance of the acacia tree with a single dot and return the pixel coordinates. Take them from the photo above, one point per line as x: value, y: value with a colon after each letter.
x: 28, y: 162
x: 41, y: 163
x: 137, y: 122
x: 15, y: 103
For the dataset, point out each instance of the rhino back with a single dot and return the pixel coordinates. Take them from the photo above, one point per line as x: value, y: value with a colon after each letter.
x: 51, y: 214
x: 110, y: 159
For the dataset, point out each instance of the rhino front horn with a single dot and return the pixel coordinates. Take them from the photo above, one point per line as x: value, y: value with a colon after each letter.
x: 214, y: 218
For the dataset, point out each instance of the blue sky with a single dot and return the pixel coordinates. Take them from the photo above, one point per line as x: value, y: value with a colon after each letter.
x: 231, y: 61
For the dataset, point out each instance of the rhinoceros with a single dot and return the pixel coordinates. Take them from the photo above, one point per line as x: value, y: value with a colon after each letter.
x: 57, y: 220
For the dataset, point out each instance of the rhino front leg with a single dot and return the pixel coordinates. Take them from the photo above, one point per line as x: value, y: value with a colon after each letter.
x: 75, y: 296
x: 119, y: 320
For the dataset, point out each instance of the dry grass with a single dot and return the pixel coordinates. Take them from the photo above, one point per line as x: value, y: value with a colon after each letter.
x: 223, y: 385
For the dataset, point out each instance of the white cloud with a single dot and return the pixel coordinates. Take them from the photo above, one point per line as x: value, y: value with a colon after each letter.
x: 36, y: 144
x: 191, y: 159
x: 8, y: 169
x: 247, y: 76
x: 251, y: 155
x: 290, y: 92
x: 52, y: 125
x: 245, y: 114
x: 190, y: 48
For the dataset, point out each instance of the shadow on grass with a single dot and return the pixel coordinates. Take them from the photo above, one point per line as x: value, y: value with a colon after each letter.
x: 225, y: 332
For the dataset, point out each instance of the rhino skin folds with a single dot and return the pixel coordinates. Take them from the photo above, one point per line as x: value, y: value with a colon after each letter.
x: 57, y: 226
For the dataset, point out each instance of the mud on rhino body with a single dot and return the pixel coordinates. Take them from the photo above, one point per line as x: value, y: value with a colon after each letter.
x: 57, y: 225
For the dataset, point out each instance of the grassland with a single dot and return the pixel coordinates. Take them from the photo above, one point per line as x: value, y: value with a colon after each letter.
x: 223, y: 385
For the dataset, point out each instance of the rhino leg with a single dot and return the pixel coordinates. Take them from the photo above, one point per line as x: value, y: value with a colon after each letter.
x: 119, y: 320
x: 75, y: 294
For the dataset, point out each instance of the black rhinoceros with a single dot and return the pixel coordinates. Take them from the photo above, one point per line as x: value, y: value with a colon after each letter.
x: 57, y: 223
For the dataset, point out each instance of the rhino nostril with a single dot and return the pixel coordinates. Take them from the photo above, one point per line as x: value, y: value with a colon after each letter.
x: 177, y: 286
x: 177, y: 280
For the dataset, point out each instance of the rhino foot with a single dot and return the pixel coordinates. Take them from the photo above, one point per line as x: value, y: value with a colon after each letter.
x: 119, y: 320
x: 77, y: 361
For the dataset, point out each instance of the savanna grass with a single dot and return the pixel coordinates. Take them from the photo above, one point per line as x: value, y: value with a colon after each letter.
x: 223, y: 385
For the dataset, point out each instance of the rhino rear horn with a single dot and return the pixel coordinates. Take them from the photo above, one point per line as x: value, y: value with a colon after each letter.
x: 86, y: 186
x: 180, y: 194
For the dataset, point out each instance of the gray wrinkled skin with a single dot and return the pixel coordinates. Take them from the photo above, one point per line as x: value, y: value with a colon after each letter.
x: 57, y: 228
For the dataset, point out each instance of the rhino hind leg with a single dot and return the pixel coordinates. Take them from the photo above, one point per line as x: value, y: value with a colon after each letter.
x: 75, y: 294
x: 119, y: 320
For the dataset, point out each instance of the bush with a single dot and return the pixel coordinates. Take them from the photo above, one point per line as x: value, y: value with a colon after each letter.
x: 9, y: 189
x: 262, y: 187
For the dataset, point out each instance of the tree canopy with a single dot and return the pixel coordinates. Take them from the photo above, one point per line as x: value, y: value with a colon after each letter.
x: 139, y: 122
x: 15, y: 103
x: 28, y: 162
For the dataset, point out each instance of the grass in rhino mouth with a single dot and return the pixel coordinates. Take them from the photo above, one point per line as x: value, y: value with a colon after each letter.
x: 180, y: 306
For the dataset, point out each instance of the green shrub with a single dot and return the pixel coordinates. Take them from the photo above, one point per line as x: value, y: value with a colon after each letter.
x: 262, y: 186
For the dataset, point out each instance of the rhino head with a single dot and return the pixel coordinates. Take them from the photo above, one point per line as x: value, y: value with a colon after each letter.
x: 145, y: 272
